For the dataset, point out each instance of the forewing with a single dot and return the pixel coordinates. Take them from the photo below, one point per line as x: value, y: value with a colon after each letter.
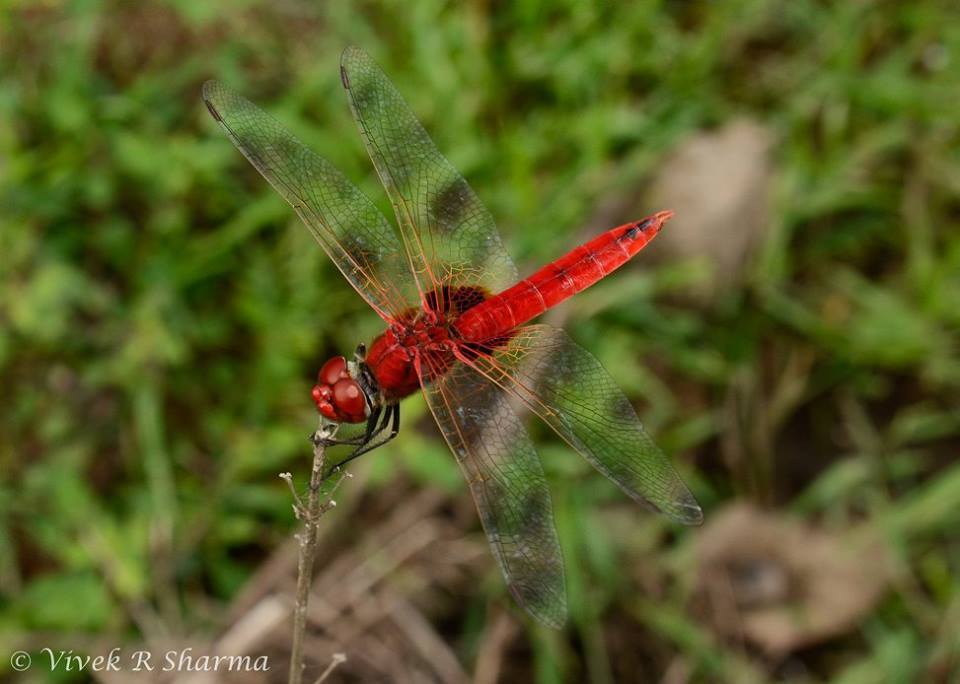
x: 449, y: 236
x: 508, y: 486
x: 351, y: 230
x: 567, y: 387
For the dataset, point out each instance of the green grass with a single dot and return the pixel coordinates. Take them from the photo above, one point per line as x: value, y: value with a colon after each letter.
x: 162, y: 312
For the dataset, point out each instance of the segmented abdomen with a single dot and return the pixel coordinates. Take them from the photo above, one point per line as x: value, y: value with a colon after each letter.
x: 555, y: 282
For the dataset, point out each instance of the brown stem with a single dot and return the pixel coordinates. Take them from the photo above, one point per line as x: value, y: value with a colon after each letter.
x: 310, y: 515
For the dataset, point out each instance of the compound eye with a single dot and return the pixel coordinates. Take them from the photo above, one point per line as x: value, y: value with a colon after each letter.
x: 329, y: 412
x: 333, y: 370
x: 322, y: 394
x: 349, y: 399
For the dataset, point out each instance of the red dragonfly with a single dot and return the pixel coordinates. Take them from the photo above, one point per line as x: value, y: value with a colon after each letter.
x: 456, y: 315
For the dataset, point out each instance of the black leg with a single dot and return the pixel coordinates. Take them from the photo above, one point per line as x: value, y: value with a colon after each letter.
x: 391, y: 412
x: 359, y: 439
x: 372, y: 421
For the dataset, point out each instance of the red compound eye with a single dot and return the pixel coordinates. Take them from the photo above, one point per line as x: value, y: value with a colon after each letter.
x: 349, y: 400
x: 337, y: 395
x: 333, y: 370
x: 322, y: 396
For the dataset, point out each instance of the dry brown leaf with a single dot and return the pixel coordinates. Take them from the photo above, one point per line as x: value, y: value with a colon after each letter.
x: 783, y: 584
x: 718, y: 183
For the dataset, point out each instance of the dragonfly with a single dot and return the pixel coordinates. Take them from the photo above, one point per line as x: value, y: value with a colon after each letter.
x: 458, y: 327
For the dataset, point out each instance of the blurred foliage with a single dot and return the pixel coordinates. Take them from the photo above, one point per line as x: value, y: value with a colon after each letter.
x: 162, y: 312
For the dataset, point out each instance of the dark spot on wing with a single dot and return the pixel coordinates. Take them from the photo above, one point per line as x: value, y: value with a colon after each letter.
x: 463, y: 298
x: 452, y: 203
x: 344, y: 79
x: 455, y: 300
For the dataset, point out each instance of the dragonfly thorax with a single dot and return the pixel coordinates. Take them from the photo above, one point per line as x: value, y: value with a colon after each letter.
x: 419, y: 341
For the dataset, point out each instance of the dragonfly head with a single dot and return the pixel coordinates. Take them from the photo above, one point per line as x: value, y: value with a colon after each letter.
x: 338, y: 396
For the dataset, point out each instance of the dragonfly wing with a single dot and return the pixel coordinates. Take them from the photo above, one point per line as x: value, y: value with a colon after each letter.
x: 348, y: 226
x: 449, y: 236
x: 567, y: 387
x: 508, y: 486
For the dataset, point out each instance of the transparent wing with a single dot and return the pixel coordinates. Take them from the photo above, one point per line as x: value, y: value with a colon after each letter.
x: 567, y: 387
x: 507, y: 483
x: 351, y: 230
x: 449, y: 236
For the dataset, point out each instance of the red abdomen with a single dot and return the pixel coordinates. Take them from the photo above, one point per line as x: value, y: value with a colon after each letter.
x: 555, y: 282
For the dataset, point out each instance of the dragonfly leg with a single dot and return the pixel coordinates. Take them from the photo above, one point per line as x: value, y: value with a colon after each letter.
x: 353, y: 441
x: 372, y: 422
x: 391, y: 417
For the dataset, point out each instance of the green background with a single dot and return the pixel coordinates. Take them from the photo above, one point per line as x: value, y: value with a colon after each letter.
x: 163, y: 313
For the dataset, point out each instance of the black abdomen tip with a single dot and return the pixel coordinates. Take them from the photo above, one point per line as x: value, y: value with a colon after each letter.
x: 633, y: 231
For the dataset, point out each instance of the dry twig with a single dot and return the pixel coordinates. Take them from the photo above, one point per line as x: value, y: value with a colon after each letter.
x: 336, y: 660
x: 310, y: 514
